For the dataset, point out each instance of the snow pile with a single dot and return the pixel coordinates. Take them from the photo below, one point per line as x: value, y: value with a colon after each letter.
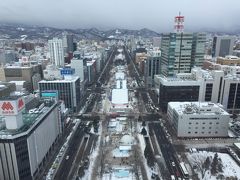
x: 229, y: 166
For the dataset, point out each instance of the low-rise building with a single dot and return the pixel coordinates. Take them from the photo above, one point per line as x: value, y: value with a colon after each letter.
x: 229, y: 60
x: 31, y: 73
x: 198, y: 119
x: 7, y: 88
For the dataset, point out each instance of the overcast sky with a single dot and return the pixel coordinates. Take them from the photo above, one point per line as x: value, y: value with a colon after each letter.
x: 222, y: 15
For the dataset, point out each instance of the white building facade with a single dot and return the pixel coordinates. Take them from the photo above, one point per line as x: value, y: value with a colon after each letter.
x: 198, y: 119
x: 56, y: 52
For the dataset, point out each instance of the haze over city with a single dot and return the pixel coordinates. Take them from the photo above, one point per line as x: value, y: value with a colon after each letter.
x: 200, y: 15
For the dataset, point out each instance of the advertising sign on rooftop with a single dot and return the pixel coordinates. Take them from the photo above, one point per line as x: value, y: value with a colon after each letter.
x: 67, y: 71
x: 11, y: 107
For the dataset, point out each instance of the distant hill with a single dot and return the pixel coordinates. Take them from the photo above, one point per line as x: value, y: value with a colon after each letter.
x: 18, y: 31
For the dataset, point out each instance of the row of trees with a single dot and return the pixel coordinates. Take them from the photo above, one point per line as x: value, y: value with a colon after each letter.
x: 215, y: 166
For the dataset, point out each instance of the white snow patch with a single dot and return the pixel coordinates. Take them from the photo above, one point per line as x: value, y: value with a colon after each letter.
x: 117, y: 153
x: 230, y: 167
x: 142, y: 146
x: 92, y: 158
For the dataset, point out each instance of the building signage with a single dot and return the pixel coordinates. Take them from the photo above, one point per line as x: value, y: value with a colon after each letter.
x: 11, y: 107
x: 49, y: 94
x: 20, y: 104
x: 67, y: 71
x: 8, y: 108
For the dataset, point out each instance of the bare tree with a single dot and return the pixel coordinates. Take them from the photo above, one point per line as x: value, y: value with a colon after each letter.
x: 198, y: 162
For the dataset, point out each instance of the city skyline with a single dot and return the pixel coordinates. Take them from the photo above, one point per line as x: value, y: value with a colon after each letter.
x: 107, y: 14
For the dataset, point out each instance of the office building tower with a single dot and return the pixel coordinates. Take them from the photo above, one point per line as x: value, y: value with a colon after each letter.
x: 222, y: 46
x: 198, y: 119
x: 27, y: 138
x: 151, y: 67
x: 80, y: 66
x: 68, y: 90
x: 91, y: 71
x: 214, y: 86
x: 181, y: 51
x: 68, y: 42
x: 56, y: 52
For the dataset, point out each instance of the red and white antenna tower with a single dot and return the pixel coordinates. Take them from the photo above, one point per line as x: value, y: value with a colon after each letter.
x: 179, y: 23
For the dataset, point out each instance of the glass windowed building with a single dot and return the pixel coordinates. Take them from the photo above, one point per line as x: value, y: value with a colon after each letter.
x: 68, y: 91
x: 181, y: 52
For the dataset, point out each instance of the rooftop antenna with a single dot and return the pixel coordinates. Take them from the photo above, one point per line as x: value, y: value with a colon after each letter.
x: 179, y: 23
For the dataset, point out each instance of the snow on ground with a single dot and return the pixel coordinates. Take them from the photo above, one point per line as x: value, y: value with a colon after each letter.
x: 92, y: 158
x: 142, y: 146
x: 230, y: 167
x: 116, y: 125
x: 120, y: 173
x: 111, y: 176
x: 231, y: 134
x: 117, y: 153
x: 141, y: 143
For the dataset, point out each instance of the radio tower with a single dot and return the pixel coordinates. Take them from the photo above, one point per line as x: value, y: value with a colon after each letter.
x: 179, y: 23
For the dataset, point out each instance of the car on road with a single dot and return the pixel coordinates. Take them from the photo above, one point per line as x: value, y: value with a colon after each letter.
x: 67, y: 157
x: 173, y: 164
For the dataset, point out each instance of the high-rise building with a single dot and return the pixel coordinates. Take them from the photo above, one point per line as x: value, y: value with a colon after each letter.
x: 80, y: 66
x: 91, y: 70
x: 181, y: 51
x: 68, y: 42
x: 151, y: 67
x: 56, y: 51
x: 68, y: 91
x: 222, y: 46
x: 27, y: 137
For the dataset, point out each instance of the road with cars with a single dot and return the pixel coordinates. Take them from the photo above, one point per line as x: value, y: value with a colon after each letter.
x: 167, y: 149
x: 70, y: 154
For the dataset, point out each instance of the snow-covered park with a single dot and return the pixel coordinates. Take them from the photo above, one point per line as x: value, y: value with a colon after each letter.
x: 203, y: 164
